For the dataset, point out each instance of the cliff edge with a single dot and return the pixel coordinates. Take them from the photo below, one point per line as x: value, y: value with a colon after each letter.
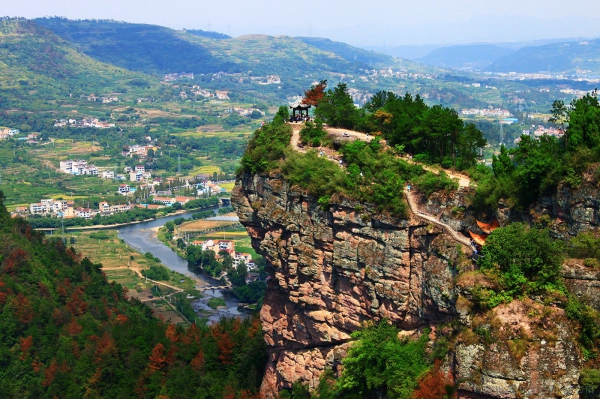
x: 331, y: 269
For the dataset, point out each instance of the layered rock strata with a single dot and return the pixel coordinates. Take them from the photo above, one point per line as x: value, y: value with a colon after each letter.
x: 332, y: 269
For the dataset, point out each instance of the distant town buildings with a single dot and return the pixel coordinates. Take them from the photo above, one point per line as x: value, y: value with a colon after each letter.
x: 78, y: 168
x: 8, y: 133
x: 493, y: 113
x: 222, y: 95
x: 139, y: 150
x: 170, y: 77
x: 85, y: 122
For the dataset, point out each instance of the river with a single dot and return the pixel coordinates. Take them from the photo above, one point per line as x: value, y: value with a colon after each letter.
x: 142, y: 238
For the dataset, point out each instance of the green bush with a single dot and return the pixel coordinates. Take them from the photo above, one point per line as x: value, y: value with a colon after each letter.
x: 100, y: 235
x: 314, y: 173
x: 250, y: 293
x: 523, y: 259
x: 266, y: 147
x: 380, y: 364
x: 313, y: 133
x: 216, y: 302
x: 158, y: 273
x: 429, y: 183
x: 589, y: 320
x: 585, y: 245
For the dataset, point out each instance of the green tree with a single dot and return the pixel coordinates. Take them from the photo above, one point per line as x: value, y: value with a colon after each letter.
x: 526, y: 259
x: 336, y: 108
x: 381, y: 365
x: 469, y: 143
x: 584, y: 122
x: 502, y: 164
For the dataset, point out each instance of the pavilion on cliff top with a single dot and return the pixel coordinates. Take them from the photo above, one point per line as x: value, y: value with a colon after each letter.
x: 300, y: 107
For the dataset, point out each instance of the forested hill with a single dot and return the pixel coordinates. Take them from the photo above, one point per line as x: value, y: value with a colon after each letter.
x: 65, y: 332
x: 138, y: 47
x: 351, y: 53
x: 37, y: 65
x: 156, y: 50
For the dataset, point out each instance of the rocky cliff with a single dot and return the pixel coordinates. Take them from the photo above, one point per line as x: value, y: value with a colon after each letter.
x: 332, y: 269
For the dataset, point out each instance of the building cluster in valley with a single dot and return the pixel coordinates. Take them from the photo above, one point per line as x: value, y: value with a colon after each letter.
x: 103, y: 100
x: 203, y: 186
x: 539, y: 131
x: 66, y: 209
x: 486, y: 112
x: 141, y: 151
x: 157, y: 199
x: 218, y: 246
x: 8, y: 133
x: 77, y: 168
x: 81, y: 123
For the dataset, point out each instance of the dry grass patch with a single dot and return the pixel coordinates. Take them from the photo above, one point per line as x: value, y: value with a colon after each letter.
x: 199, y: 225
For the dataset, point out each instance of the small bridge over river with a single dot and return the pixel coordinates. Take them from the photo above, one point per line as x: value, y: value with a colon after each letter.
x: 215, y: 287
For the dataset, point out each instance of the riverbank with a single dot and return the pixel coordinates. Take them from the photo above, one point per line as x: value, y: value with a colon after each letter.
x: 143, y: 238
x: 116, y: 226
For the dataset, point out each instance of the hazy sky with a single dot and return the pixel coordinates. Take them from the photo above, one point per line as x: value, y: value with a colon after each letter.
x: 364, y: 22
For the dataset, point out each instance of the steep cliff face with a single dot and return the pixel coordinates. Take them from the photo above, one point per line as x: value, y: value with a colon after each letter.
x: 332, y: 269
x: 570, y: 210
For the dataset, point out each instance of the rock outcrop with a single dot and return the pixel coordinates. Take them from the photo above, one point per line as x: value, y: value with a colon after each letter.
x: 333, y: 269
x: 571, y: 210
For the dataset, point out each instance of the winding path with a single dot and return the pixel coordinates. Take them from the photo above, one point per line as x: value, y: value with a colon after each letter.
x: 463, y: 180
x: 455, y: 234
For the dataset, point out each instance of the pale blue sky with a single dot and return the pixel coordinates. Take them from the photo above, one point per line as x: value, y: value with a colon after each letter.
x: 359, y: 22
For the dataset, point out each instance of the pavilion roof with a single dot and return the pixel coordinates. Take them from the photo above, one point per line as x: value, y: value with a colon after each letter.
x: 298, y: 103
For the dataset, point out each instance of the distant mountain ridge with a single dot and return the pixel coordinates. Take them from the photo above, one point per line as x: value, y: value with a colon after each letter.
x: 158, y: 50
x: 349, y: 53
x: 473, y: 56
x: 567, y: 57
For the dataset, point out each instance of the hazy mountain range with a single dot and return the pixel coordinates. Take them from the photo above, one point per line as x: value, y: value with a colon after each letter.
x: 554, y: 55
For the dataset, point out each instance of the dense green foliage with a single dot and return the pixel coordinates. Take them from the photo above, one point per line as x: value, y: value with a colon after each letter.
x: 538, y: 165
x: 373, y: 173
x: 204, y: 261
x: 522, y: 261
x: 226, y: 209
x: 65, y: 332
x: 159, y: 273
x: 378, y: 365
x: 586, y: 246
x: 436, y: 134
x: 266, y: 147
x: 251, y: 292
x: 382, y: 365
x: 203, y: 215
x: 313, y: 134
